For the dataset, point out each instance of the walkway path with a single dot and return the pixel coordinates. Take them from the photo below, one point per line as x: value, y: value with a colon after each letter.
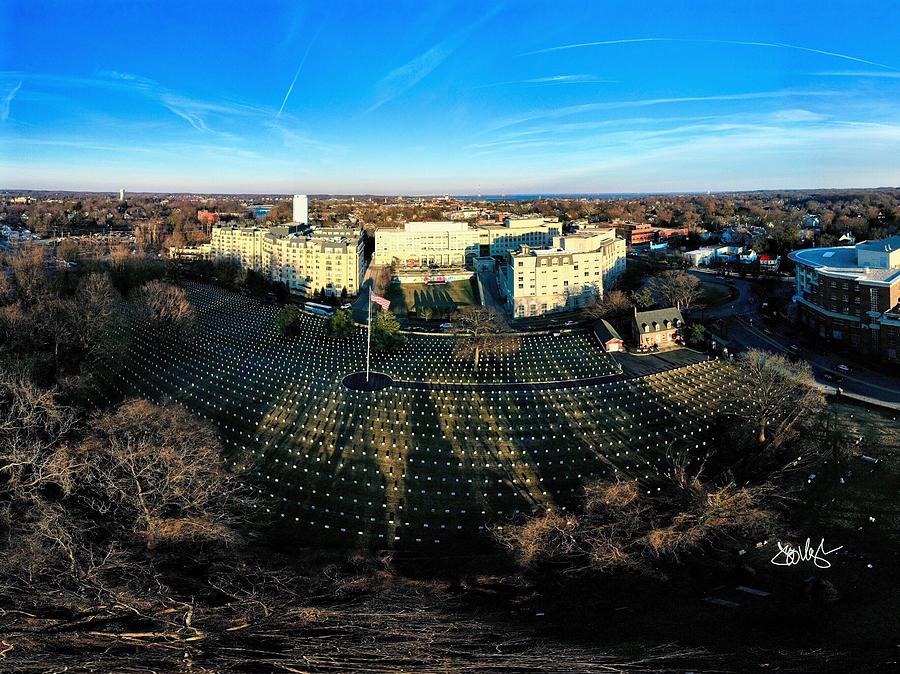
x: 631, y: 367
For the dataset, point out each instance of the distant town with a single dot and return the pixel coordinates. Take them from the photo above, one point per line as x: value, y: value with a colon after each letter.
x: 552, y: 260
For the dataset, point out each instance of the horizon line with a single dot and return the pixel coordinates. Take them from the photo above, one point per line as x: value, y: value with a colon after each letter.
x: 458, y: 195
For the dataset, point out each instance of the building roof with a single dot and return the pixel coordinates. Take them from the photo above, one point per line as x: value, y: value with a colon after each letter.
x: 656, y: 320
x: 605, y: 331
x: 843, y: 261
x: 882, y: 245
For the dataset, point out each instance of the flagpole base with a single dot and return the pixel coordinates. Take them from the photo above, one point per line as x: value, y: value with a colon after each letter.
x: 358, y: 381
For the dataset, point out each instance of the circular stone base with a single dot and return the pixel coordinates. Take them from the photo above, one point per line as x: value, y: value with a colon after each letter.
x: 357, y: 381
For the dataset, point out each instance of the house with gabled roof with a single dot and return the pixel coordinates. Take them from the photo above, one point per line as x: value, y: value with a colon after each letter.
x: 608, y: 336
x: 658, y: 327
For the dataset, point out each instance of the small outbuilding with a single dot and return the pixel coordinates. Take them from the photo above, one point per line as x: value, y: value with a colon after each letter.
x: 659, y: 327
x: 608, y: 336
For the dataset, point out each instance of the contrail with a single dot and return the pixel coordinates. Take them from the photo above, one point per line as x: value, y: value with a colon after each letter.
x: 7, y: 100
x: 297, y: 74
x: 774, y: 45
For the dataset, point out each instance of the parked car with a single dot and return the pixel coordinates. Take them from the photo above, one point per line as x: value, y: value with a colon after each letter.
x: 570, y: 323
x: 843, y: 368
x: 446, y: 326
x: 346, y: 305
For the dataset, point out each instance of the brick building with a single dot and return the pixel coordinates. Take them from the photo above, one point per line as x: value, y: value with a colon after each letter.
x: 659, y: 327
x: 635, y: 233
x: 851, y: 295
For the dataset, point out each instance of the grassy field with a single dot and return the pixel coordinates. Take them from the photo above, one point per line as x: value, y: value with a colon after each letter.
x: 713, y: 294
x: 844, y: 500
x: 405, y: 467
x: 408, y: 298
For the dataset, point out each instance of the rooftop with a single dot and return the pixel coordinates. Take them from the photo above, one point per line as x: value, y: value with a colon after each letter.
x: 882, y: 245
x: 873, y: 262
x: 605, y: 330
x: 658, y: 320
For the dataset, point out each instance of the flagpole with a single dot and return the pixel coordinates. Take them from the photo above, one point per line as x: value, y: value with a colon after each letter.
x: 369, y: 342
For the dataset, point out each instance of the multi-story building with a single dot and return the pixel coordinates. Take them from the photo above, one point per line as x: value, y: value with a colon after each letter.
x: 851, y: 295
x: 502, y: 238
x: 309, y: 263
x: 635, y: 233
x: 428, y: 244
x: 241, y: 244
x: 306, y: 260
x: 301, y: 209
x: 573, y: 273
x: 463, y: 213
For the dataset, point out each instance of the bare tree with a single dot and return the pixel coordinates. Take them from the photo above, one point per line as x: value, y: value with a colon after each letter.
x: 613, y: 303
x: 622, y: 528
x: 99, y: 307
x: 160, y: 475
x: 67, y: 250
x: 478, y: 328
x: 778, y: 394
x: 119, y: 255
x: 29, y: 269
x: 165, y: 307
x: 677, y: 288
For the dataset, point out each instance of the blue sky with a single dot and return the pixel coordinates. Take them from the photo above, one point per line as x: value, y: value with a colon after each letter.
x: 458, y: 97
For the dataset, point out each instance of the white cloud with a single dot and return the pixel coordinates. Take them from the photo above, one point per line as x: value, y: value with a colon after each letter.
x: 744, y: 43
x: 7, y: 100
x: 861, y: 73
x: 405, y: 77
x: 647, y: 102
x: 549, y: 80
x: 797, y: 115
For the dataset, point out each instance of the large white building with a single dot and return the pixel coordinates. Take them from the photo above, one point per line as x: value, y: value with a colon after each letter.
x: 427, y: 244
x: 307, y: 261
x: 533, y: 231
x: 455, y: 243
x: 573, y: 273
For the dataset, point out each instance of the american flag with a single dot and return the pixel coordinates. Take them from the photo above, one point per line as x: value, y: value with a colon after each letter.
x: 380, y: 301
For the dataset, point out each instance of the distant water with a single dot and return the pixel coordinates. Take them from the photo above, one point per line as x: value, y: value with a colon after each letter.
x: 532, y: 197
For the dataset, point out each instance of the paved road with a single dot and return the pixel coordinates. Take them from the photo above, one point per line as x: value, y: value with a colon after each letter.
x: 744, y: 303
x: 747, y: 332
x: 862, y: 380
